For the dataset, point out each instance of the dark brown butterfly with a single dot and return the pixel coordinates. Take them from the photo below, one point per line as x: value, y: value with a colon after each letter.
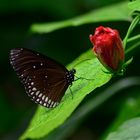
x: 45, y: 80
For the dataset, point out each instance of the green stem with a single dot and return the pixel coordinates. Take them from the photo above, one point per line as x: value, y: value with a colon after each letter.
x: 130, y: 29
x: 133, y: 47
x: 133, y: 38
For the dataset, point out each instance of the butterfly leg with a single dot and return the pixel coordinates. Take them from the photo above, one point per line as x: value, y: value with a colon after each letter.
x: 71, y: 91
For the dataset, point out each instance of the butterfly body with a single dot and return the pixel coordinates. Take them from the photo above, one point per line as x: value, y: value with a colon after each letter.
x: 45, y: 80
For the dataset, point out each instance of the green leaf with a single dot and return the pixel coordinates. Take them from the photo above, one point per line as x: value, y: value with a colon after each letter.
x: 102, y: 14
x: 129, y: 105
x: 129, y: 110
x: 129, y: 130
x: 93, y: 103
x: 134, y: 5
x: 45, y: 120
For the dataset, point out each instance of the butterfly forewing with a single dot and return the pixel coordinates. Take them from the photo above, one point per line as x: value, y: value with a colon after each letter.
x: 43, y: 78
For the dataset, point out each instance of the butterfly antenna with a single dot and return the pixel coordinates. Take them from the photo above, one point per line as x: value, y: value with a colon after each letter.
x: 77, y: 78
x: 81, y: 62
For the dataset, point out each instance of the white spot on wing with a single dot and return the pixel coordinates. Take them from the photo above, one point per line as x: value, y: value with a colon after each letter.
x: 54, y: 105
x: 43, y: 97
x: 51, y: 105
x: 37, y: 93
x: 13, y: 59
x: 40, y: 95
x: 32, y: 93
x: 46, y: 99
x: 49, y: 101
x: 34, y: 67
x: 34, y: 89
x: 52, y: 102
x: 32, y: 83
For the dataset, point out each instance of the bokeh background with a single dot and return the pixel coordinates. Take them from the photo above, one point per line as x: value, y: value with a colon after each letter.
x: 64, y: 45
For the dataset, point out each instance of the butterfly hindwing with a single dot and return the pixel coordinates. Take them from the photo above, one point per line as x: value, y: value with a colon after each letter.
x: 43, y: 78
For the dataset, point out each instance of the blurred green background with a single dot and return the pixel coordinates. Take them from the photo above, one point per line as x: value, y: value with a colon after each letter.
x: 63, y: 45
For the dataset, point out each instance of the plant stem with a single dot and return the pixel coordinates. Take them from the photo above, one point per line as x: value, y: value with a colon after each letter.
x: 133, y: 47
x: 133, y: 38
x: 130, y: 29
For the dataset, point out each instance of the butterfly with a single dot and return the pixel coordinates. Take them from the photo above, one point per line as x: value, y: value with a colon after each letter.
x: 45, y: 80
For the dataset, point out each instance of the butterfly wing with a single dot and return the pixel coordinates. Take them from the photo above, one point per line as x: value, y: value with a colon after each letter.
x: 43, y: 78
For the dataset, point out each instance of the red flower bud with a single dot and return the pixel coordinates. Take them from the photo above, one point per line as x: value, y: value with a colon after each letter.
x: 108, y: 48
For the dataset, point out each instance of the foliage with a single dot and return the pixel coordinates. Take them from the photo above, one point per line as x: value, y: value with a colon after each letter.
x: 94, y: 16
x: 128, y: 130
x: 101, y: 105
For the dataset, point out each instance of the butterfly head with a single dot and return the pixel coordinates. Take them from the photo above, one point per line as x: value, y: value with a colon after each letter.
x: 73, y: 71
x: 70, y: 76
